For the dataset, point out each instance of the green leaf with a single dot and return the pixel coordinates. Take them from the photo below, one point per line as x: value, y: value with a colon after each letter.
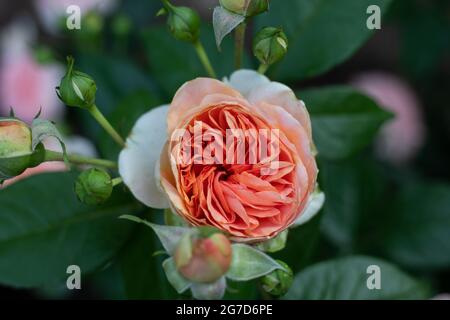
x: 44, y: 229
x: 174, y: 62
x: 344, y: 121
x: 356, y: 196
x: 175, y: 278
x: 224, y: 22
x: 249, y: 263
x: 321, y: 33
x: 141, y: 272
x: 418, y: 232
x: 347, y: 278
x: 168, y: 235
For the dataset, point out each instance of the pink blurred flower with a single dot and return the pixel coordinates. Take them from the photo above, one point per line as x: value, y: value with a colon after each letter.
x: 401, y: 138
x: 27, y: 86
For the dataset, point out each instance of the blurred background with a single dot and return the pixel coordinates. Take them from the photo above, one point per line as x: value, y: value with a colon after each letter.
x: 401, y: 181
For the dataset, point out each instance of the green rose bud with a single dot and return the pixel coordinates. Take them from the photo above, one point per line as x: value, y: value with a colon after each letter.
x: 183, y: 22
x: 278, y: 282
x: 247, y: 8
x: 203, y: 260
x: 77, y: 89
x: 93, y: 186
x: 16, y: 153
x: 270, y: 45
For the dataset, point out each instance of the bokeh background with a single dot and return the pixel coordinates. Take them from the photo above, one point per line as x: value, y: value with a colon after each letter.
x: 390, y: 199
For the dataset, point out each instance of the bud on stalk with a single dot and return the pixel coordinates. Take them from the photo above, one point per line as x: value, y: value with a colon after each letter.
x: 247, y: 8
x: 203, y: 260
x: 278, y: 282
x: 93, y: 186
x: 183, y: 22
x: 16, y: 152
x: 270, y: 45
x: 76, y: 89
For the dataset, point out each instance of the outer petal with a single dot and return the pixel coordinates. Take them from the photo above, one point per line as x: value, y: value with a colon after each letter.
x: 191, y: 95
x: 137, y: 162
x: 257, y: 88
x: 315, y: 203
x: 246, y: 80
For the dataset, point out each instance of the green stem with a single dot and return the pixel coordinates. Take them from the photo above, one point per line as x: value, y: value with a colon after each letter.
x: 77, y: 159
x: 204, y: 58
x: 239, y: 40
x: 116, y: 181
x: 263, y: 68
x: 95, y: 112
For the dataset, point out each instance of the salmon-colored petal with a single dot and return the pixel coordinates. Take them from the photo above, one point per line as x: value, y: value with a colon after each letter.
x: 190, y: 95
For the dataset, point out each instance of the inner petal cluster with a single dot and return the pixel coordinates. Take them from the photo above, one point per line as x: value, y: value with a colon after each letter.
x: 247, y: 188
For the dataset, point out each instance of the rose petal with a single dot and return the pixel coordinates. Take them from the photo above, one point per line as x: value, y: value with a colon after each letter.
x: 191, y: 95
x: 138, y: 160
x: 278, y: 94
x: 246, y: 80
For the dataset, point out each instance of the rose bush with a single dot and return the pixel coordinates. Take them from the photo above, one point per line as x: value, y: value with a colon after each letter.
x: 240, y: 199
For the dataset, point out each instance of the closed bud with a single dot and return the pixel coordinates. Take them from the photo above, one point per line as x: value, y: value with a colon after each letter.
x: 203, y: 260
x: 16, y: 153
x: 77, y: 89
x: 93, y: 186
x: 270, y: 45
x: 247, y: 8
x: 183, y: 22
x: 278, y: 282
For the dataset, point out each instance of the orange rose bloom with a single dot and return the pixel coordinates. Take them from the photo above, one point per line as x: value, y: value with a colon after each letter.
x: 252, y: 194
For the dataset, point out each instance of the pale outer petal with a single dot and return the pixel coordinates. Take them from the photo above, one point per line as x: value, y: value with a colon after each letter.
x: 315, y: 203
x: 246, y: 80
x: 137, y: 162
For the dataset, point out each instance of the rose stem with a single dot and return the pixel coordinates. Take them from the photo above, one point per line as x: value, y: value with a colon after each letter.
x: 263, y: 68
x: 116, y: 181
x: 95, y: 112
x: 77, y: 159
x: 239, y: 40
x: 204, y: 58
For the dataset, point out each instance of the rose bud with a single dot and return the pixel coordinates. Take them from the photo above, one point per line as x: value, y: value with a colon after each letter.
x: 77, y: 89
x: 278, y: 282
x: 183, y: 22
x: 203, y: 260
x: 248, y: 8
x: 270, y: 45
x: 93, y: 186
x: 16, y: 154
